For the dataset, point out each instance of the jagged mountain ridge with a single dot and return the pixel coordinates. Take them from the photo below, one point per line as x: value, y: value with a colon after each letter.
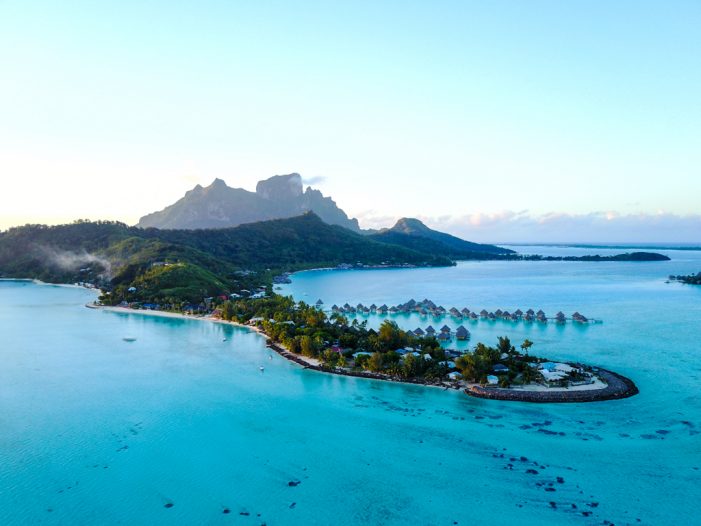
x: 221, y: 206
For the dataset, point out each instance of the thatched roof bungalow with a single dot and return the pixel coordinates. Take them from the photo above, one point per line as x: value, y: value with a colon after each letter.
x: 445, y: 329
x: 560, y: 317
x: 484, y: 313
x: 419, y: 331
x: 430, y: 330
x: 461, y: 333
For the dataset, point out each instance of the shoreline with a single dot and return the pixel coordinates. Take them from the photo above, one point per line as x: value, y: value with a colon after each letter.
x: 615, y: 387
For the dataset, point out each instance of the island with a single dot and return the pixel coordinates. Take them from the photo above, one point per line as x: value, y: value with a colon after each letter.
x: 691, y: 279
x: 307, y: 335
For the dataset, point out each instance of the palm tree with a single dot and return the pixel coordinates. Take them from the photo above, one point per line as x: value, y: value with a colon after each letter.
x: 527, y: 344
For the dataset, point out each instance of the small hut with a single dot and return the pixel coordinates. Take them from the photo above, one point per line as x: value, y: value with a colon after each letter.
x: 484, y: 313
x: 560, y: 317
x: 430, y: 330
x: 419, y: 331
x: 461, y: 333
x: 465, y: 311
x: 518, y: 313
x: 445, y: 329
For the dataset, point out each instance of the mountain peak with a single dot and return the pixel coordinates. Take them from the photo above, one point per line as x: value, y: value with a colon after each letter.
x: 218, y: 184
x: 280, y: 187
x: 220, y: 206
x: 408, y: 225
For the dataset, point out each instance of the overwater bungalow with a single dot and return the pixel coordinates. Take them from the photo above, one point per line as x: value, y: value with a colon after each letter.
x: 319, y: 303
x: 430, y: 330
x: 473, y: 316
x: 373, y: 307
x: 506, y: 315
x: 518, y: 313
x: 461, y: 333
x: 540, y: 316
x: 445, y: 329
x: 465, y: 311
x: 560, y: 317
x: 393, y: 310
x: 419, y: 332
x: 484, y: 313
x: 491, y: 316
x: 359, y: 306
x: 579, y: 318
x: 530, y: 312
x: 498, y: 313
x: 383, y: 309
x: 444, y: 337
x: 455, y: 312
x: 335, y: 308
x: 528, y: 317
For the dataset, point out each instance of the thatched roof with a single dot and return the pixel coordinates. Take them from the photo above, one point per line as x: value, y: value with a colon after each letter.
x: 518, y: 312
x: 483, y: 312
x: 462, y: 332
x: 419, y: 331
x: 430, y: 329
x: 445, y: 328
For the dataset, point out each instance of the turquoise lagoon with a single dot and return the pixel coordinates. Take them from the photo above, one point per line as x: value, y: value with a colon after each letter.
x: 96, y: 430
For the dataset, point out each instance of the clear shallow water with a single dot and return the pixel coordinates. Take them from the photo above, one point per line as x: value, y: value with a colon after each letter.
x: 99, y: 430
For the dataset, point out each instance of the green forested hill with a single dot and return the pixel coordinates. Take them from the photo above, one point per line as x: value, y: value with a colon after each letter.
x: 199, y: 262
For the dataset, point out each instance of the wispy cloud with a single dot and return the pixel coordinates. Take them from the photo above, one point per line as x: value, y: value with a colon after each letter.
x: 310, y: 181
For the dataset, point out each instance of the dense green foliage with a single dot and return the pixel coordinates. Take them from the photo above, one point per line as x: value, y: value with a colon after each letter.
x: 117, y: 257
x: 431, y: 246
x: 691, y: 279
x: 337, y: 342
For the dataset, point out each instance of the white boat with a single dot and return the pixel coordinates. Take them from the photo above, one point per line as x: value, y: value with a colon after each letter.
x: 261, y: 368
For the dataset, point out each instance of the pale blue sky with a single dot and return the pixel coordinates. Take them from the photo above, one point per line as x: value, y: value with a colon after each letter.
x: 444, y: 110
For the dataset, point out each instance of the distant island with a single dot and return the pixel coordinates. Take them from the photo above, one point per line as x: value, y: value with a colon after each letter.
x: 691, y: 279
